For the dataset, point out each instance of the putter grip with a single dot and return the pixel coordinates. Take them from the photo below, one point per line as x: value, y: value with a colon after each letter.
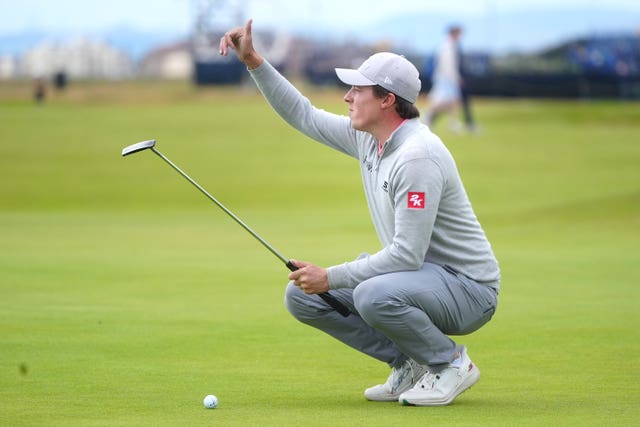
x: 327, y: 297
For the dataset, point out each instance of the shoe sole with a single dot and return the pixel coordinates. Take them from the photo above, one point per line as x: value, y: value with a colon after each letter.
x: 466, y: 385
x: 393, y: 397
x: 383, y: 399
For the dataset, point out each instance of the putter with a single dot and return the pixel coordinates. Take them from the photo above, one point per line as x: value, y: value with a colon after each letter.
x: 150, y: 144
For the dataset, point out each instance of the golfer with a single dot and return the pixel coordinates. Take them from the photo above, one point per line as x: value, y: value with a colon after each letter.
x: 435, y: 275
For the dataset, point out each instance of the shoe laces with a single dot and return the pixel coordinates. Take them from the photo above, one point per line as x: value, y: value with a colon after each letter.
x: 428, y: 381
x: 399, y: 374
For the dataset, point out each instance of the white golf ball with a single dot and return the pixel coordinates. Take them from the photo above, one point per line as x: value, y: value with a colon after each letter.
x: 210, y: 402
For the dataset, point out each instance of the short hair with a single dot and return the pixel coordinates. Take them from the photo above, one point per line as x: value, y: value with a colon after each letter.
x: 454, y: 28
x: 404, y: 108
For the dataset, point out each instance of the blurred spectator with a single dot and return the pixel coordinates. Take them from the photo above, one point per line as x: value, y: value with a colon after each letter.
x: 39, y: 91
x: 60, y: 80
x: 448, y: 90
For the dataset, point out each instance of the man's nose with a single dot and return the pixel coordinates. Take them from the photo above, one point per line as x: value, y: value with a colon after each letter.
x: 347, y: 96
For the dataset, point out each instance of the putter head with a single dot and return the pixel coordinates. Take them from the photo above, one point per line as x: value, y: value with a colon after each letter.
x: 138, y: 147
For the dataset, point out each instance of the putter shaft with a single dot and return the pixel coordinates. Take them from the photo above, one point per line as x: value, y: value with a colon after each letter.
x: 221, y: 206
x: 150, y: 144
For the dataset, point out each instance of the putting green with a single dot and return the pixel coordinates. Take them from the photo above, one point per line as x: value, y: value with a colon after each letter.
x: 126, y: 296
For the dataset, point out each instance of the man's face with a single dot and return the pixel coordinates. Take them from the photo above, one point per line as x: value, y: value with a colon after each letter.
x: 364, y: 107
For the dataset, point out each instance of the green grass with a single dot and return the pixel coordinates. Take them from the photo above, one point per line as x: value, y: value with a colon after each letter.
x: 126, y: 296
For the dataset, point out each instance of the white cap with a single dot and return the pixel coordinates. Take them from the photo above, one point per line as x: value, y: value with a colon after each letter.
x: 393, y: 72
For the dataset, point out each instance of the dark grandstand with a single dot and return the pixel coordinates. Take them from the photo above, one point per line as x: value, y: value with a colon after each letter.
x: 590, y: 67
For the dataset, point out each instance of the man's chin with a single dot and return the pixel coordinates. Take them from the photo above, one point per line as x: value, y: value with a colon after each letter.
x: 355, y: 125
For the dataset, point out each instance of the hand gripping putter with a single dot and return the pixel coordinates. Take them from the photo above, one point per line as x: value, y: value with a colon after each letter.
x: 150, y: 144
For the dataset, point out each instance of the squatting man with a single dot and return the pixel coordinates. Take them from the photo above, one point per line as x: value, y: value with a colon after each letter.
x: 436, y: 274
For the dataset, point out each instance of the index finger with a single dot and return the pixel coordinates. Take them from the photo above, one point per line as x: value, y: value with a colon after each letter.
x: 294, y: 275
x: 232, y: 38
x: 224, y: 44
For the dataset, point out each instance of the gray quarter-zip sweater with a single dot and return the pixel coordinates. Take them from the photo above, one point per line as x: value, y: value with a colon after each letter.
x: 418, y: 204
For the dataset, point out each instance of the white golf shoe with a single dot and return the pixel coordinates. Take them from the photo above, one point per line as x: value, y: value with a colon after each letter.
x: 435, y: 389
x: 400, y: 380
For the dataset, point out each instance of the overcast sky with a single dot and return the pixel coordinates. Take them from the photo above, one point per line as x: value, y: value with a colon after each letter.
x: 494, y: 25
x: 177, y: 15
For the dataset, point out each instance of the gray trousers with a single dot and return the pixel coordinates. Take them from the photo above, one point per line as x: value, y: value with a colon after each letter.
x: 402, y: 315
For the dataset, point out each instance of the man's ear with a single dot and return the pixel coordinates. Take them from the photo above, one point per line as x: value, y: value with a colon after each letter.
x: 388, y: 100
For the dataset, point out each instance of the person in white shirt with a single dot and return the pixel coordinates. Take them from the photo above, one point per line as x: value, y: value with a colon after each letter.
x: 446, y: 90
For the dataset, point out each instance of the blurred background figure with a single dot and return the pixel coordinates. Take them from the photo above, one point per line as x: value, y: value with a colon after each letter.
x: 465, y: 96
x: 39, y: 91
x: 60, y: 80
x: 448, y: 90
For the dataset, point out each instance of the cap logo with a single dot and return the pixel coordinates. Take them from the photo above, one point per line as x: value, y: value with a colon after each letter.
x: 393, y: 72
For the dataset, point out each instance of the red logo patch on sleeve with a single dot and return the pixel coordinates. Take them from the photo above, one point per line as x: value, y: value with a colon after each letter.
x: 415, y: 200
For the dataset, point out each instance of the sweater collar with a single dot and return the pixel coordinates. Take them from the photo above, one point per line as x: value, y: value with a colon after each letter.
x: 399, y: 135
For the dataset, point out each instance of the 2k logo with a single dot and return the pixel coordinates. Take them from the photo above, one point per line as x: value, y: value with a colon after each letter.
x: 415, y: 200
